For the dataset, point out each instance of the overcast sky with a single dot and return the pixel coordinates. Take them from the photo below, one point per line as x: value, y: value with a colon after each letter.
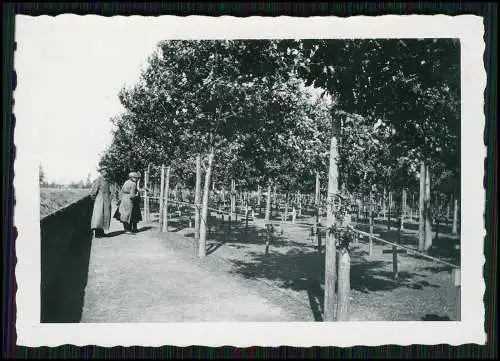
x: 69, y: 71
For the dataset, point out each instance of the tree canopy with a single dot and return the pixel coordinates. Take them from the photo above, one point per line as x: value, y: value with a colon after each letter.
x: 395, y: 101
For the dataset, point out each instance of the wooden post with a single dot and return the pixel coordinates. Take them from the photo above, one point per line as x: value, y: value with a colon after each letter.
x: 331, y: 249
x: 165, y: 207
x: 412, y: 206
x: 395, y: 256
x: 384, y: 206
x: 259, y: 194
x: 269, y: 235
x: 456, y: 293
x: 162, y: 196
x: 300, y: 204
x: 268, y: 202
x: 436, y: 221
x: 197, y: 199
x: 403, y: 208
x: 233, y: 198
x: 344, y: 286
x: 246, y: 216
x: 316, y: 193
x: 147, y: 217
x: 202, y: 251
x: 427, y: 207
x: 286, y: 207
x: 317, y: 236
x: 370, y: 239
x: 389, y: 212
x: 421, y: 208
x: 219, y: 220
x: 455, y: 218
x: 395, y: 262
x: 275, y: 200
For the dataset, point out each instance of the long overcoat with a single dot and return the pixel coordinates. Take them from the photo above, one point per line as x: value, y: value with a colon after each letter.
x: 129, y: 203
x: 101, y: 194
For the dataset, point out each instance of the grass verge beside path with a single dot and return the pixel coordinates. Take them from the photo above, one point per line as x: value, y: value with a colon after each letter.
x: 296, y: 270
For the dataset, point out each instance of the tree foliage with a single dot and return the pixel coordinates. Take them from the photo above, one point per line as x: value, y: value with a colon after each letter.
x: 411, y: 86
x: 200, y: 95
x: 395, y: 101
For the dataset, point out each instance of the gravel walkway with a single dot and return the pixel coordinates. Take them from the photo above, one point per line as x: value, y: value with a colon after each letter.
x: 140, y: 278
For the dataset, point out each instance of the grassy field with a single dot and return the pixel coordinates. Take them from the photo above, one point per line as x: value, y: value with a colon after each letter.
x: 295, y: 268
x: 52, y: 199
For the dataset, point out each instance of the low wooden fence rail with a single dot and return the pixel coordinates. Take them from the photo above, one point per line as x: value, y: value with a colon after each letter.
x: 396, y: 249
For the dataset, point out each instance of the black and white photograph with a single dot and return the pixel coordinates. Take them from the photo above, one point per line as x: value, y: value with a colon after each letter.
x: 310, y: 185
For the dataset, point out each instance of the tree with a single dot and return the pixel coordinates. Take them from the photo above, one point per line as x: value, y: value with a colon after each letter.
x: 412, y: 85
x: 211, y: 99
x: 88, y: 182
x: 41, y: 176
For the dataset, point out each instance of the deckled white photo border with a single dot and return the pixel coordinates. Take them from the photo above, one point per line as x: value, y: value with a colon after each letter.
x: 468, y: 28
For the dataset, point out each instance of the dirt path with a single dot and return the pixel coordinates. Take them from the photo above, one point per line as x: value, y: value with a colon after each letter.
x: 158, y: 277
x: 141, y: 278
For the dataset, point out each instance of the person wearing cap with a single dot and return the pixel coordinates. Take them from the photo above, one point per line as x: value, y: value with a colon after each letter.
x: 136, y: 209
x: 129, y: 212
x: 101, y: 214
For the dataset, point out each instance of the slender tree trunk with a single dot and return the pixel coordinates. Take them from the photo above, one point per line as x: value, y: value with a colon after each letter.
x: 146, y: 198
x: 389, y: 211
x: 403, y: 208
x: 317, y: 198
x: 286, y: 206
x: 268, y: 202
x: 162, y: 196
x: 412, y: 206
x: 300, y: 204
x: 344, y: 283
x: 165, y: 207
x: 421, y: 208
x: 427, y: 207
x: 455, y: 218
x: 197, y: 199
x: 384, y: 205
x: 233, y: 198
x: 358, y: 216
x: 259, y: 195
x: 202, y: 251
x: 316, y: 193
x: 317, y: 235
x: 275, y: 200
x: 331, y: 249
x: 370, y: 247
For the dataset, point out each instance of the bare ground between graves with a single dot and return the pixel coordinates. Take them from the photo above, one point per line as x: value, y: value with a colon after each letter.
x: 292, y: 274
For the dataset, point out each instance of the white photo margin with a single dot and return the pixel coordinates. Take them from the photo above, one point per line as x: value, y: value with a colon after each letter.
x: 468, y: 28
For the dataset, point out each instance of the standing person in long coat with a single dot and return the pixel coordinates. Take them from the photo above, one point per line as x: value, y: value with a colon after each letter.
x: 127, y: 212
x: 136, y: 210
x: 101, y: 194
